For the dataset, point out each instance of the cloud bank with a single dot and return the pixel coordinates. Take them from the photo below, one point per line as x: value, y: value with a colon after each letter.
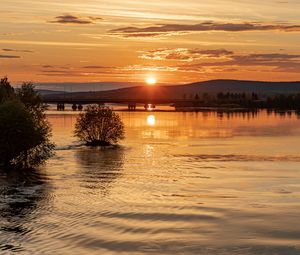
x: 173, y: 29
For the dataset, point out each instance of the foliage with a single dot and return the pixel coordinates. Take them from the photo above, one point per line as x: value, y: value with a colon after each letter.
x: 99, y: 126
x: 6, y: 91
x: 254, y: 100
x: 32, y: 100
x: 18, y: 133
x: 244, y: 100
x: 24, y: 130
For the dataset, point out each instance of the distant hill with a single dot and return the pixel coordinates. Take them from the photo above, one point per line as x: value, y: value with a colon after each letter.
x: 48, y: 92
x: 178, y: 91
x: 85, y: 86
x: 240, y: 86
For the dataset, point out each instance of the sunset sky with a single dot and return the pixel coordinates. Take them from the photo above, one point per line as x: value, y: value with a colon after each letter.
x: 174, y: 41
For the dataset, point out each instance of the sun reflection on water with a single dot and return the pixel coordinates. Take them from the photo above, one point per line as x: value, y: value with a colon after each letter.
x: 151, y: 120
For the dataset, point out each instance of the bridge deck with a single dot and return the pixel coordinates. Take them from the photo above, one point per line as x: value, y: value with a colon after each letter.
x: 115, y: 101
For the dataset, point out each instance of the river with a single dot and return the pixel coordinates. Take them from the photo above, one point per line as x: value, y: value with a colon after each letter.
x: 180, y: 183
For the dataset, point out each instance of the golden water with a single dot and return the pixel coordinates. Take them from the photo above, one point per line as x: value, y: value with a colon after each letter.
x: 180, y: 183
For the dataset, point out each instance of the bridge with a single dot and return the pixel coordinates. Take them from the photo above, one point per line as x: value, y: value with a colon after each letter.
x: 77, y: 104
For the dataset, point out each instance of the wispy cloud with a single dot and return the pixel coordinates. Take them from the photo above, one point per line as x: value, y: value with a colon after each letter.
x: 72, y: 19
x: 153, y: 68
x: 70, y: 71
x: 48, y: 66
x: 184, y: 54
x: 175, y: 29
x: 9, y: 56
x: 97, y: 67
x: 267, y: 62
x: 53, y: 43
x: 14, y: 50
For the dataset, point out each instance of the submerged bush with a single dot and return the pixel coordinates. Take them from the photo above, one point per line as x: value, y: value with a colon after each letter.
x: 99, y: 126
x: 24, y: 130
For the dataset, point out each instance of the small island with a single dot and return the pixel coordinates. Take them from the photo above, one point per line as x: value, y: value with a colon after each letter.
x: 99, y: 126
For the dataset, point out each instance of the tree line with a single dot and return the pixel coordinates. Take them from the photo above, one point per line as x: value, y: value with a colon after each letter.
x: 242, y: 100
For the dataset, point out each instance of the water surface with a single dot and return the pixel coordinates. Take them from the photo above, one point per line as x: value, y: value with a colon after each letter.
x: 180, y: 183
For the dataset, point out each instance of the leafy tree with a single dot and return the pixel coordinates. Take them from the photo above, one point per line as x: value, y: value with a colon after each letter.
x: 6, y: 91
x: 18, y: 133
x: 32, y: 100
x: 24, y: 130
x: 99, y: 126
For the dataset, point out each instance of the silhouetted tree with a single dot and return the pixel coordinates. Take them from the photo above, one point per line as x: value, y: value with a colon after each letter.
x: 99, y: 126
x: 6, y: 91
x: 220, y: 96
x: 32, y: 100
x: 24, y: 130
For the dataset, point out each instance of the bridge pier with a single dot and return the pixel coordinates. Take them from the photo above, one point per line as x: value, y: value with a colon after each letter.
x: 131, y: 103
x: 131, y: 107
x: 149, y: 107
x: 74, y: 107
x: 60, y: 106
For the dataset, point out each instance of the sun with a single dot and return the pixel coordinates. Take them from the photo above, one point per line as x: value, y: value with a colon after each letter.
x: 151, y: 80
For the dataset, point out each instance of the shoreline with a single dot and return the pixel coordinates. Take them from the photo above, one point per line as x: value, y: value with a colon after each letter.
x: 202, y: 109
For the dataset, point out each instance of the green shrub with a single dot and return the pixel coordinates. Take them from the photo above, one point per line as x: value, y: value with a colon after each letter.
x: 99, y: 126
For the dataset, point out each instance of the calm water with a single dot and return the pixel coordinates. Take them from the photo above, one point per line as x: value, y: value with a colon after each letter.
x: 180, y: 183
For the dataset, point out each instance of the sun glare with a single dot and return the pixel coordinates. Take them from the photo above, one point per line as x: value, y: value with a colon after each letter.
x: 151, y: 120
x: 151, y: 80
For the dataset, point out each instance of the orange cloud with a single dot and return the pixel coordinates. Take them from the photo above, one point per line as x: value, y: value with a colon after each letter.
x: 184, y: 54
x: 72, y: 19
x: 269, y: 62
x: 171, y: 29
